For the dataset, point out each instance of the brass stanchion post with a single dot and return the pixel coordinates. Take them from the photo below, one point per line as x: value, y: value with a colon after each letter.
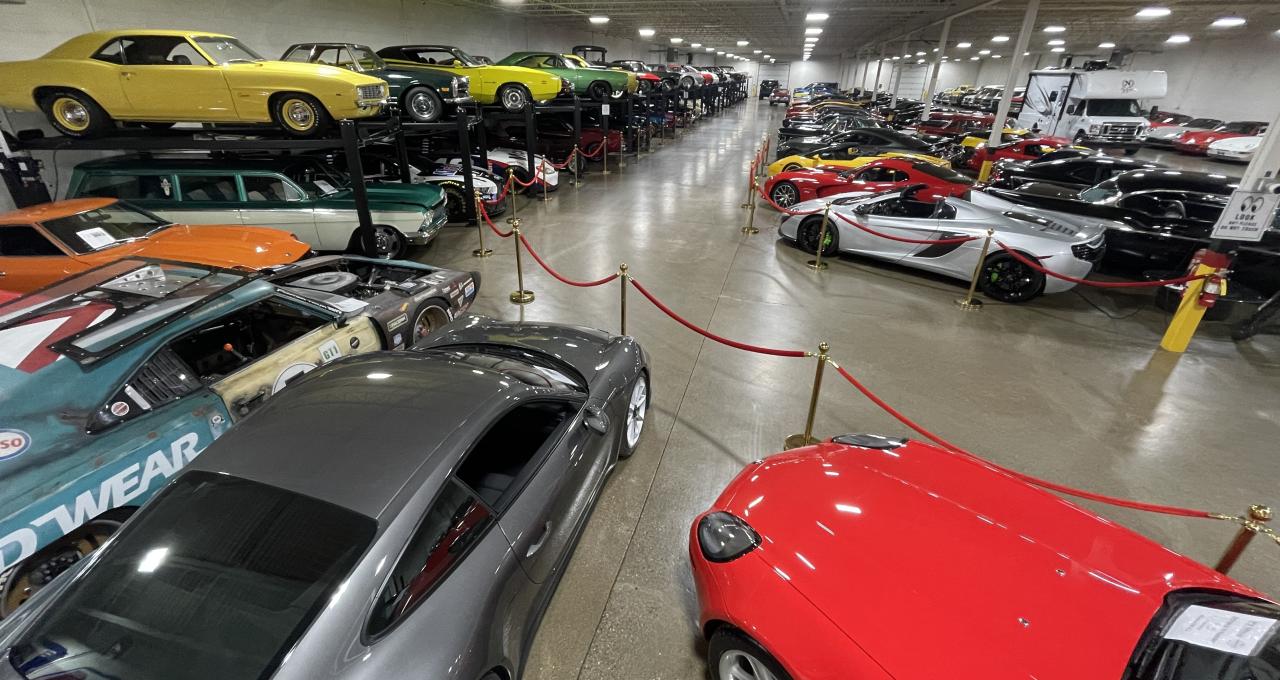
x: 519, y: 296
x: 573, y: 166
x: 1253, y: 523
x: 622, y: 310
x: 750, y: 227
x: 968, y: 303
x: 816, y: 264
x: 544, y: 180
x: 481, y: 251
x: 604, y: 157
x: 805, y: 439
x: 511, y: 193
x: 751, y: 186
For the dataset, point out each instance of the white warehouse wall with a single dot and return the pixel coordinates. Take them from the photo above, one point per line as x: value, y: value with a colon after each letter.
x: 1229, y: 79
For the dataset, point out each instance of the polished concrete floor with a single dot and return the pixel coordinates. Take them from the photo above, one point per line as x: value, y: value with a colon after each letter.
x: 1070, y: 387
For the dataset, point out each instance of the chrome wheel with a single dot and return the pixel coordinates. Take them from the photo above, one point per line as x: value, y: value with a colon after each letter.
x: 513, y: 98
x: 71, y: 113
x: 739, y: 665
x: 299, y: 115
x: 423, y: 107
x: 785, y: 194
x: 636, y: 410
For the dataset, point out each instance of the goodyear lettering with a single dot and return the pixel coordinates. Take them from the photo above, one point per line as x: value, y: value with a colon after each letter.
x: 120, y: 489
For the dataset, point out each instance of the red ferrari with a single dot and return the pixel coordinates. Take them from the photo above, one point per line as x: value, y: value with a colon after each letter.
x: 1198, y: 141
x: 1026, y: 149
x: 886, y: 559
x: 788, y: 188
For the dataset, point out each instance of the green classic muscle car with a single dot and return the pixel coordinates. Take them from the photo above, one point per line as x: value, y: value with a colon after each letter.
x: 421, y: 92
x: 600, y: 84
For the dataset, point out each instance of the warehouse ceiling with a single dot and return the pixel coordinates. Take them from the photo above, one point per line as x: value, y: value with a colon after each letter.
x: 777, y: 27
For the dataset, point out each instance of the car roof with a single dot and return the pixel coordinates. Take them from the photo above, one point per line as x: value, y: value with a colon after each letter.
x: 54, y: 210
x: 1176, y: 180
x: 357, y: 431
x: 81, y: 46
x: 158, y: 164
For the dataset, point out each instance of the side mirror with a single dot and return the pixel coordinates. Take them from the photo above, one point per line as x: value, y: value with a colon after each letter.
x: 595, y: 420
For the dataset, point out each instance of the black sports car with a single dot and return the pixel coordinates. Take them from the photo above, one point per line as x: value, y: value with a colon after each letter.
x: 869, y: 142
x: 1078, y: 170
x: 1169, y: 214
x: 827, y: 123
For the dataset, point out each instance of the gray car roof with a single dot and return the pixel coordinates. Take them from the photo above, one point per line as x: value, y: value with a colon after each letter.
x: 348, y: 435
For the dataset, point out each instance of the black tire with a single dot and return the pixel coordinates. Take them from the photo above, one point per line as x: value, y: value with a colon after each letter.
x: 300, y: 115
x: 430, y: 317
x: 686, y: 83
x: 1258, y: 320
x: 457, y: 202
x: 599, y: 91
x: 792, y: 167
x: 514, y: 97
x: 1131, y: 151
x: 1005, y: 279
x: 422, y: 105
x: 380, y: 241
x: 75, y: 114
x: 807, y: 237
x: 784, y: 194
x: 733, y: 649
x: 629, y: 447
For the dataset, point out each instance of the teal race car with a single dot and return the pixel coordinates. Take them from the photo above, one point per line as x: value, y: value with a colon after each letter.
x: 114, y: 379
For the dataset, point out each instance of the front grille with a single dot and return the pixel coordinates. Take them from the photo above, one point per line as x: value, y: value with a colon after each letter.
x: 366, y: 92
x: 1091, y: 251
x: 1119, y: 130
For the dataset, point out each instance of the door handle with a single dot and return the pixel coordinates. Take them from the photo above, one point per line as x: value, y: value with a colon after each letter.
x: 126, y: 75
x: 533, y: 549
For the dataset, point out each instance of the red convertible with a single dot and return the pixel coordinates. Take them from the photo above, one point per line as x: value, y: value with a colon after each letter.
x: 788, y: 188
x: 1198, y: 141
x: 1029, y: 148
x: 880, y: 558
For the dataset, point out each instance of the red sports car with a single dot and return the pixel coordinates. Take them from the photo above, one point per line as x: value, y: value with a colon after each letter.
x: 880, y: 559
x: 1198, y: 141
x: 789, y: 188
x: 1025, y: 149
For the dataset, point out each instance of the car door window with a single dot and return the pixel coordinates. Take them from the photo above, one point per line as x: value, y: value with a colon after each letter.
x: 22, y: 240
x: 132, y: 187
x: 164, y: 378
x: 535, y: 61
x: 1085, y: 174
x: 502, y: 460
x: 270, y: 188
x: 112, y: 53
x: 226, y: 344
x: 184, y: 54
x: 159, y: 50
x: 209, y: 188
x: 452, y: 524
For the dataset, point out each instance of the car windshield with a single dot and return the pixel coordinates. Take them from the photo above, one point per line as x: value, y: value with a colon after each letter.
x: 1203, y: 123
x: 904, y: 141
x: 104, y: 227
x: 1239, y: 127
x: 944, y: 174
x: 1100, y: 193
x: 1198, y: 635
x: 177, y: 595
x: 367, y: 59
x: 1127, y: 108
x: 226, y: 50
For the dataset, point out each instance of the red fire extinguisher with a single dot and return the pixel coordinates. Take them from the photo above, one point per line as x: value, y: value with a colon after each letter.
x: 1214, y: 286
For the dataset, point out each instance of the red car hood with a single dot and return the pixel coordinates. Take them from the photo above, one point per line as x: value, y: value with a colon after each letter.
x: 1206, y: 137
x: 940, y: 566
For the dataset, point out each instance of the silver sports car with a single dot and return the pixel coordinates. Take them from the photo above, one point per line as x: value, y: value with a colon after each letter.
x: 392, y: 515
x: 1067, y: 244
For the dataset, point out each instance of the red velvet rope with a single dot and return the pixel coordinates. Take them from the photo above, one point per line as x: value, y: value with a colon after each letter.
x: 1097, y: 284
x: 524, y: 184
x: 902, y: 239
x: 485, y: 215
x: 779, y: 208
x: 712, y: 336
x: 506, y: 186
x: 567, y: 161
x: 599, y: 150
x: 558, y: 276
x: 1052, y: 486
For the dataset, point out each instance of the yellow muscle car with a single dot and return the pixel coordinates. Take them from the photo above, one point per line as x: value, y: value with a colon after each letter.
x: 838, y: 160
x: 513, y: 87
x: 165, y: 77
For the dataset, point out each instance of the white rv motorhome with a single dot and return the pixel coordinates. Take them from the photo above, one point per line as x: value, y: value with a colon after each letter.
x: 1097, y: 108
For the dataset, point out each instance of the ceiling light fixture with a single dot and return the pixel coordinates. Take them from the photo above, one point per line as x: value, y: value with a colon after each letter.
x: 720, y: 53
x: 813, y: 30
x: 815, y: 16
x: 599, y: 20
x: 964, y: 45
x: 984, y: 52
x: 1153, y: 12
x: 646, y: 33
x: 768, y: 56
x: 743, y: 43
x: 811, y: 39
x: 919, y: 54
x: 757, y: 51
x: 919, y: 61
x: 773, y: 61
x: 974, y: 58
x: 1228, y: 22
x: 1178, y: 38
x: 1054, y: 29
x: 1026, y: 54
x: 1000, y: 38
x: 712, y: 49
x: 995, y: 56
x: 695, y: 45
x: 1106, y: 45
x: 677, y: 41
x: 1058, y: 49
x: 1055, y: 43
x: 935, y: 49
x: 896, y: 58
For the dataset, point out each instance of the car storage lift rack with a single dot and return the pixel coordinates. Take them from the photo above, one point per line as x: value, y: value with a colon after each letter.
x: 352, y: 136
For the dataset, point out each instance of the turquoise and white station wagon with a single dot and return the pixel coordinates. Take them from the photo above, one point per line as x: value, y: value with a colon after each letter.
x: 297, y: 194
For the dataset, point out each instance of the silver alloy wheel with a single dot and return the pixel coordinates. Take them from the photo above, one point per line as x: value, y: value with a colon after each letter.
x: 513, y: 98
x: 423, y: 106
x: 739, y: 665
x: 636, y: 410
x: 75, y: 114
x: 785, y: 195
x: 301, y: 114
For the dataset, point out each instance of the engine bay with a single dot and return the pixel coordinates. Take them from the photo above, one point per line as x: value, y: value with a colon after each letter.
x: 357, y: 279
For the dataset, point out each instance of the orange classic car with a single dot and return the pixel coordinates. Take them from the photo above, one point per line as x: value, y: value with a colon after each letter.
x: 44, y: 243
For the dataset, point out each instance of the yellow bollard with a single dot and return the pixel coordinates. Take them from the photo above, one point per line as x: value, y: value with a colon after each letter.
x: 481, y: 251
x: 985, y: 173
x: 805, y: 439
x: 816, y: 263
x: 519, y: 296
x: 1190, y: 312
x: 1250, y: 526
x: 968, y: 303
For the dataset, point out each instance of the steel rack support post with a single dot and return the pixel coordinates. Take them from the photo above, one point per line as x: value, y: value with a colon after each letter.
x: 482, y: 145
x: 577, y: 122
x: 402, y: 155
x: 935, y: 68
x: 531, y: 138
x: 1006, y: 99
x: 468, y: 181
x: 351, y: 146
x: 604, y: 145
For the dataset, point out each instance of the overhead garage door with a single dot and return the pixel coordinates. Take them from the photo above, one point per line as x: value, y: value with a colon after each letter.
x: 776, y: 72
x: 913, y: 81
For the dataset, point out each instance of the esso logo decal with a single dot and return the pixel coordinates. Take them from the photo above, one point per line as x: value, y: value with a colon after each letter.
x: 13, y: 443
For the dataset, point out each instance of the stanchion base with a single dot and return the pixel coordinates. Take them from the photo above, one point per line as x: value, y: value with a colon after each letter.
x: 816, y: 265
x: 605, y: 172
x: 482, y: 252
x: 795, y: 441
x: 546, y: 199
x: 521, y: 297
x: 751, y: 230
x: 744, y: 206
x: 968, y: 305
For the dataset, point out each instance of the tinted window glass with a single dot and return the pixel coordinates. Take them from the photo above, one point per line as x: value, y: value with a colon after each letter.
x: 158, y: 50
x: 104, y: 227
x: 227, y: 50
x: 1204, y: 635
x: 180, y: 594
x: 23, y: 241
x: 945, y: 174
x: 510, y: 449
x: 209, y: 188
x: 268, y: 188
x: 137, y: 187
x: 455, y: 521
x: 112, y: 53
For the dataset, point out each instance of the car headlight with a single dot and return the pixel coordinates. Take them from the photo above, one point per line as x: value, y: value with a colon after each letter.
x: 724, y: 538
x: 1094, y: 129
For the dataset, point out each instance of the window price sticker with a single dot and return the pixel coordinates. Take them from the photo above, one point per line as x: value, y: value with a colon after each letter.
x: 1222, y: 630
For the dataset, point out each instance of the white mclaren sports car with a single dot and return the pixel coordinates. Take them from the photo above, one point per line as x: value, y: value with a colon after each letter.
x: 1066, y: 244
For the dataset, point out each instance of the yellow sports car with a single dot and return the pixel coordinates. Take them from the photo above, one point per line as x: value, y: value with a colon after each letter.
x: 1006, y: 135
x: 511, y: 86
x: 837, y: 160
x: 165, y: 77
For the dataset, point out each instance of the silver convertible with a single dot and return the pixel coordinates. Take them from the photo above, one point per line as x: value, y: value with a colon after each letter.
x: 392, y: 515
x: 1066, y: 244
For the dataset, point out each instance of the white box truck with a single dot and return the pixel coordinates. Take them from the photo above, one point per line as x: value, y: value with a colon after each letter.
x: 1093, y: 108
